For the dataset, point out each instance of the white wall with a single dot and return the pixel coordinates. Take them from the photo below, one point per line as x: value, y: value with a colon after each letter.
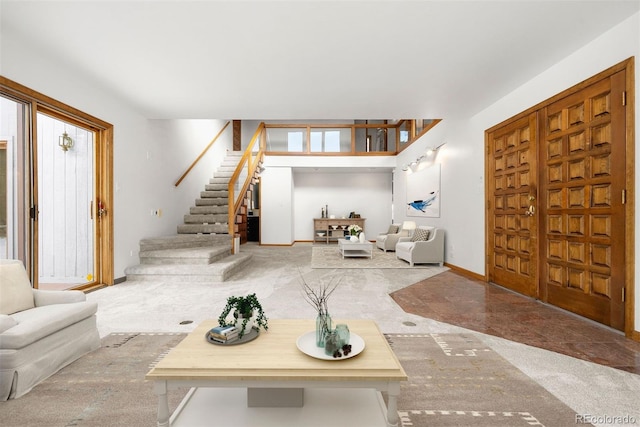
x: 148, y: 155
x: 462, y: 157
x: 176, y: 144
x: 276, y: 206
x: 368, y: 194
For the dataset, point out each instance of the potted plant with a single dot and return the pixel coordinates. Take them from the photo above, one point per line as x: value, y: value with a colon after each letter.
x: 244, y: 308
x: 354, y: 232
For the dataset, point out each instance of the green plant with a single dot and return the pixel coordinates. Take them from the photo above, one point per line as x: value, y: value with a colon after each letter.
x: 244, y: 307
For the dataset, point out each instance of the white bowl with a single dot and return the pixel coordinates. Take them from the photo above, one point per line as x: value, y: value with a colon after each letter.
x: 320, y: 234
x: 335, y: 227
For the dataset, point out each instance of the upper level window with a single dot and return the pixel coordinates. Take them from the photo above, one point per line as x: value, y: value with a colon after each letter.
x: 294, y: 141
x: 327, y: 141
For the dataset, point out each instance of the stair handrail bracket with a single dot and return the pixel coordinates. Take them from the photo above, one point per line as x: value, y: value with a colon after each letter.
x: 251, y: 162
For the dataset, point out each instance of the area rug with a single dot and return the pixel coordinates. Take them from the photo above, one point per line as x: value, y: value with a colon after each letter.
x: 328, y: 256
x: 454, y: 380
x: 103, y: 388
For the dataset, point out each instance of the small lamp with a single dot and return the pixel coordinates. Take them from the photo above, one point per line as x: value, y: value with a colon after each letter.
x: 409, y: 226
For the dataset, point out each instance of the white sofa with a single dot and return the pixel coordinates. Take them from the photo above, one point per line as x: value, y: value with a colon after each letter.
x: 387, y: 241
x: 40, y: 331
x: 429, y: 251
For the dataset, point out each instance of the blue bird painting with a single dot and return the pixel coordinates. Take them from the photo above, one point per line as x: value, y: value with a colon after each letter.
x: 421, y: 205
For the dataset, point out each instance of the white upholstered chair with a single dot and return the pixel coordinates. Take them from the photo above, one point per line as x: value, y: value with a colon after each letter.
x: 428, y: 251
x: 387, y: 241
x: 40, y: 331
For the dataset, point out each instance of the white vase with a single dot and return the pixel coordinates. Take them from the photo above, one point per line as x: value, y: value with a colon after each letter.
x: 362, y: 238
x: 250, y: 323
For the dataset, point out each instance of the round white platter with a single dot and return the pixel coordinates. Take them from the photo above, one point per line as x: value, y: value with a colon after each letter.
x: 307, y: 344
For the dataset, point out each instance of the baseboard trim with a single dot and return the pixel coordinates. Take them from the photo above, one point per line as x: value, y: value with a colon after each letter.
x: 120, y: 280
x: 466, y: 273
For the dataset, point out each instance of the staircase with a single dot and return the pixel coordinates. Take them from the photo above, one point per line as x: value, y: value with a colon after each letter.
x: 201, y: 251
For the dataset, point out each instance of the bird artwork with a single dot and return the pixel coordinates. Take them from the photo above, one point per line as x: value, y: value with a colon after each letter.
x: 423, y: 192
x: 421, y: 205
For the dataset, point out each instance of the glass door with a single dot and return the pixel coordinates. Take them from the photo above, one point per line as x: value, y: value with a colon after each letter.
x: 14, y: 197
x: 66, y: 206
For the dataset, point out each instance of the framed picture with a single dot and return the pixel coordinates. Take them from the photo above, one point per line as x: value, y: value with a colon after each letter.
x: 423, y: 192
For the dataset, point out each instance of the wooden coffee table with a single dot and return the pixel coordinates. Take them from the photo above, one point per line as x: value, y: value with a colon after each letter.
x: 272, y: 362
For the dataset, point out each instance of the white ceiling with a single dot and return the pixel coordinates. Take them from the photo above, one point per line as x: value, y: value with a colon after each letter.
x: 310, y: 59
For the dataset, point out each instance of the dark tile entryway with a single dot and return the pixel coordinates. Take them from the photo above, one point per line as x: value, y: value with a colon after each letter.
x: 455, y: 299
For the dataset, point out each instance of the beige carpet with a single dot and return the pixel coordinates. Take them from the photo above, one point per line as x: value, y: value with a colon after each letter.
x: 328, y: 256
x: 453, y: 380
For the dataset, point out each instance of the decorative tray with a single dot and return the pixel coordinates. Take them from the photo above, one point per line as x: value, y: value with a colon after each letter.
x: 307, y: 344
x: 248, y: 336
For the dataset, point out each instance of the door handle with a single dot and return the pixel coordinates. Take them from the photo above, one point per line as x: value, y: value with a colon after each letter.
x: 101, y: 209
x: 531, y: 210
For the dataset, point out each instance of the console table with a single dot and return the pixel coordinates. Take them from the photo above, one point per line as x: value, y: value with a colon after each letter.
x: 331, y: 234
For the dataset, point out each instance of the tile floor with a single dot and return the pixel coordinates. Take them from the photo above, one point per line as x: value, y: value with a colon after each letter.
x: 455, y: 299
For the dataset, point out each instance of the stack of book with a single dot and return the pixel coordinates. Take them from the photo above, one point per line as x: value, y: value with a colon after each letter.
x: 224, y: 334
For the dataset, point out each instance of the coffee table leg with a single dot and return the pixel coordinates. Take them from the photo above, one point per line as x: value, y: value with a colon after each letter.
x: 392, y: 405
x: 160, y: 388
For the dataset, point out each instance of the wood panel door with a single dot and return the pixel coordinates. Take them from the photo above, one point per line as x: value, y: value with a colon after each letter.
x: 582, y: 184
x: 512, y: 227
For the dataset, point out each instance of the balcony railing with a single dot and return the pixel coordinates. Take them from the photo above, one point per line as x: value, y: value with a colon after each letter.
x: 362, y: 137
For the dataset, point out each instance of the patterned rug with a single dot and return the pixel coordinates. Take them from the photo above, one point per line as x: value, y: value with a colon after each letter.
x: 328, y: 256
x: 454, y: 380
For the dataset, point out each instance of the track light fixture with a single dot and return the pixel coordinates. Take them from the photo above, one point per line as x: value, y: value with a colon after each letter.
x: 430, y: 155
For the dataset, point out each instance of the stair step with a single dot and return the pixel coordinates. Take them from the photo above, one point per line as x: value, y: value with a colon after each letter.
x: 203, y: 228
x: 188, y: 256
x: 207, y: 210
x: 226, y: 169
x: 209, y: 273
x: 206, y: 219
x: 222, y: 201
x: 224, y: 180
x: 214, y: 194
x: 223, y: 174
x: 217, y: 187
x: 178, y: 241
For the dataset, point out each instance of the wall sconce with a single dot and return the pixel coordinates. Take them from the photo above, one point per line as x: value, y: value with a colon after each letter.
x: 65, y: 142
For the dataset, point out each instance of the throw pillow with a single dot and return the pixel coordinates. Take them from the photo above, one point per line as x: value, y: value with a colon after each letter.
x: 393, y: 229
x: 419, y: 235
x: 15, y: 288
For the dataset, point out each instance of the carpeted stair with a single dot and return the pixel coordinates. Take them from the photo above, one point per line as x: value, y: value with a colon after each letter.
x: 201, y: 251
x: 210, y: 214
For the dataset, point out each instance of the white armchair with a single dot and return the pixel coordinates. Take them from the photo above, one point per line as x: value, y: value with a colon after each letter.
x: 429, y: 251
x: 387, y: 241
x: 40, y: 331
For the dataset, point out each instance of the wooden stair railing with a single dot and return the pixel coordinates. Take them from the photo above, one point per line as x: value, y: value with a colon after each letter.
x: 215, y: 138
x: 251, y: 160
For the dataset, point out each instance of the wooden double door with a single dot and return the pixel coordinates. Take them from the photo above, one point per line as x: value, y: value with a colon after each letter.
x: 556, y: 223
